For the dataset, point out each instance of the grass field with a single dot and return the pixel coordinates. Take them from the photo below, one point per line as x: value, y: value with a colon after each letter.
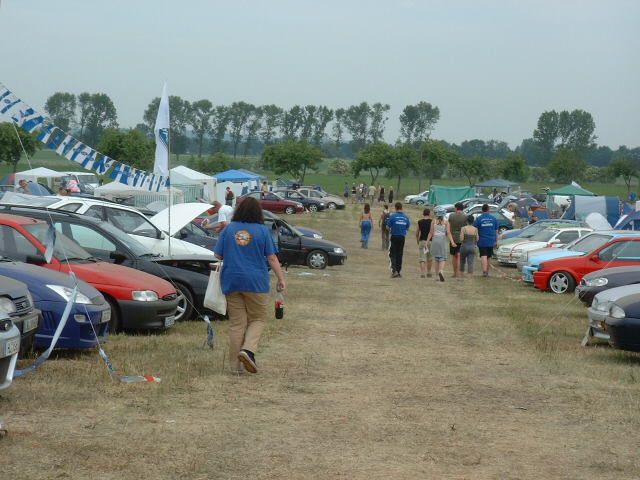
x: 366, y: 377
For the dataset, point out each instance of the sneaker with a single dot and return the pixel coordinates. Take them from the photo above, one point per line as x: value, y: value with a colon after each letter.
x: 423, y: 276
x: 441, y: 276
x: 248, y: 360
x: 429, y: 275
x: 485, y: 274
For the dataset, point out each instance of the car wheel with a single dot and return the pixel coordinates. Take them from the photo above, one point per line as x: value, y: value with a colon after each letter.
x: 115, y: 324
x: 313, y: 208
x: 185, y: 303
x: 290, y: 210
x: 331, y: 206
x: 317, y: 259
x: 419, y: 202
x: 501, y: 230
x: 562, y: 282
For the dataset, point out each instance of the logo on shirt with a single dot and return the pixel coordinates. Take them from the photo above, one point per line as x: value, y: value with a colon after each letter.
x: 243, y: 238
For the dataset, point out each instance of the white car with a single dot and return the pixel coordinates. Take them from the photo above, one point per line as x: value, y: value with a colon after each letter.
x: 128, y: 219
x: 9, y: 347
x: 477, y: 208
x: 408, y: 198
x: 512, y: 253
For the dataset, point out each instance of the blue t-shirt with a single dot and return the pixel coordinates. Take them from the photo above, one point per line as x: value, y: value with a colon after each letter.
x: 244, y: 248
x: 487, y: 226
x: 398, y: 223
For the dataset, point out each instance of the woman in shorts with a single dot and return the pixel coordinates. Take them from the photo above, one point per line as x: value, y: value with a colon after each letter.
x: 440, y: 238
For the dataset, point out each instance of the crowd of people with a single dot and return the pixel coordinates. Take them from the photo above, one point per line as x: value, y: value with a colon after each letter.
x: 362, y: 193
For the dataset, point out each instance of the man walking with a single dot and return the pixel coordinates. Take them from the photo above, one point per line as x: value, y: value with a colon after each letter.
x: 487, y: 226
x: 398, y: 224
x: 424, y: 227
x: 456, y: 221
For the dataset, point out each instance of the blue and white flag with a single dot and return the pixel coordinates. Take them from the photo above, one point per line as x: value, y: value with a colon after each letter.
x: 161, y: 165
x: 28, y: 119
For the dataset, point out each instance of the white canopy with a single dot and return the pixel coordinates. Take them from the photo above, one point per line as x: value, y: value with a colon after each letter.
x: 182, y: 175
x: 40, y: 172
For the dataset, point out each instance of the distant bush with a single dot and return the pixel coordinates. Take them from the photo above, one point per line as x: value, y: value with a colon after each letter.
x: 540, y: 174
x: 339, y: 167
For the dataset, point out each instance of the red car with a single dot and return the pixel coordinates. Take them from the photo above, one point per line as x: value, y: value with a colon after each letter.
x: 137, y: 299
x: 562, y: 275
x: 274, y: 203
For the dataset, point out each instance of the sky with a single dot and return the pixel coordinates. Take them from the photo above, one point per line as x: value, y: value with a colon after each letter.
x: 491, y: 67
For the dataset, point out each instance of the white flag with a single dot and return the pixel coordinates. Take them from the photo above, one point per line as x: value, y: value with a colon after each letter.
x: 161, y: 165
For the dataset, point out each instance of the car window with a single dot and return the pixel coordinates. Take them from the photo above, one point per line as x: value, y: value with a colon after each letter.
x: 86, y: 237
x: 15, y: 245
x: 589, y: 243
x: 95, y: 211
x: 313, y: 194
x: 623, y: 251
x: 63, y: 248
x: 568, y: 237
x: 256, y: 195
x: 131, y: 222
x: 271, y: 196
x: 70, y: 207
x: 295, y: 195
x: 544, y: 235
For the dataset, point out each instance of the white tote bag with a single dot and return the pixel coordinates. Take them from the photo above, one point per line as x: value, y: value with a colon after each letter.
x: 214, y: 299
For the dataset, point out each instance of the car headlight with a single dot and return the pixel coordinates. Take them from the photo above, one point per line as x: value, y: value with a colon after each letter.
x: 66, y: 292
x: 617, y: 312
x: 596, y: 282
x: 7, y: 306
x: 317, y: 235
x: 338, y: 250
x: 144, y: 295
x: 601, y: 306
x: 517, y: 251
x: 322, y: 204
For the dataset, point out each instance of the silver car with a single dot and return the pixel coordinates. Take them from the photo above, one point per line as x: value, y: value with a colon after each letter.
x: 9, y: 348
x: 332, y: 202
x: 600, y: 308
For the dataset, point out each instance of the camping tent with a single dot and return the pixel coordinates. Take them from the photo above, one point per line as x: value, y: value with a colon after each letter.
x: 498, y: 183
x: 41, y: 172
x: 240, y: 182
x: 196, y: 185
x: 581, y: 206
x: 440, y: 195
x: 236, y: 176
x: 569, y: 190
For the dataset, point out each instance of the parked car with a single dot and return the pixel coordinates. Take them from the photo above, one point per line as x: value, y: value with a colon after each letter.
x: 476, y: 209
x: 623, y: 323
x: 189, y: 274
x: 511, y: 253
x: 563, y: 274
x: 600, y: 309
x: 137, y: 299
x: 518, y: 234
x: 420, y: 199
x: 17, y: 303
x: 606, y: 279
x: 50, y: 291
x: 274, y: 203
x: 332, y: 202
x: 408, y: 198
x: 9, y: 348
x: 311, y: 204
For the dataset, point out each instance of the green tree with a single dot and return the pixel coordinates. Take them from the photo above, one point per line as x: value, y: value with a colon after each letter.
x: 472, y: 168
x: 323, y: 116
x: 219, y: 124
x: 540, y: 174
x: 432, y: 160
x: 531, y: 151
x: 378, y: 116
x: 338, y: 127
x: 200, y: 121
x: 418, y: 121
x: 308, y: 122
x: 356, y: 122
x: 339, y: 167
x: 10, y: 149
x: 251, y: 128
x: 623, y: 167
x: 514, y: 168
x: 61, y: 107
x: 84, y: 103
x: 402, y: 163
x: 271, y: 122
x: 131, y: 147
x: 292, y: 121
x: 567, y: 165
x: 546, y: 133
x: 98, y: 113
x: 239, y: 114
x: 218, y: 162
x: 292, y: 157
x: 374, y: 158
x: 565, y: 130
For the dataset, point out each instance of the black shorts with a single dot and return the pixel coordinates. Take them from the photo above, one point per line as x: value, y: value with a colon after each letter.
x: 486, y: 251
x: 454, y: 250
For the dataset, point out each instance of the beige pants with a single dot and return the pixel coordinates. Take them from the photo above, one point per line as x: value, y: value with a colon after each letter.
x: 247, y: 318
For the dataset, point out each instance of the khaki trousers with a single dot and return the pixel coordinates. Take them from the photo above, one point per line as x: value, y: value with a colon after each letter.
x: 247, y: 318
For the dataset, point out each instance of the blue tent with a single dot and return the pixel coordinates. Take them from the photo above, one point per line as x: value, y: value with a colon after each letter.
x: 237, y: 176
x: 630, y: 221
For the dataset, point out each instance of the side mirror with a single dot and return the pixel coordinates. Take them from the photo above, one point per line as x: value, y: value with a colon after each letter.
x: 117, y: 257
x: 36, y: 259
x: 554, y: 242
x: 594, y: 258
x: 159, y: 235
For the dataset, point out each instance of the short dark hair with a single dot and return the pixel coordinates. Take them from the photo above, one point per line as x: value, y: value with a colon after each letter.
x: 470, y: 219
x: 398, y: 206
x: 249, y: 211
x: 485, y: 207
x: 459, y: 206
x: 426, y: 212
x: 367, y: 208
x: 385, y: 206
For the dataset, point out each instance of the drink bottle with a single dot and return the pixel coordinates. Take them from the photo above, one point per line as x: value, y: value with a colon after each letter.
x: 280, y: 305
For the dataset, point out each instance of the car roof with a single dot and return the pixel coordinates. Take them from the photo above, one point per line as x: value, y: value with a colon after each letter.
x: 10, y: 218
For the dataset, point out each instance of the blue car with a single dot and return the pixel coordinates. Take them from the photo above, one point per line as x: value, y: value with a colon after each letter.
x: 50, y: 291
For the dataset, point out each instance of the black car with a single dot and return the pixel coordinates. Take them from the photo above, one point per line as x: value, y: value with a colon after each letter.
x: 623, y: 323
x: 600, y: 280
x: 188, y: 273
x: 16, y: 301
x: 311, y: 204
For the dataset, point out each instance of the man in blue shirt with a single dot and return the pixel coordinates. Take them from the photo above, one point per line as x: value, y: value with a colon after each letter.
x: 398, y: 224
x: 487, y: 226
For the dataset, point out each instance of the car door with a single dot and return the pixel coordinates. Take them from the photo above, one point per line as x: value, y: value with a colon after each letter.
x: 288, y: 242
x: 566, y: 237
x: 273, y: 203
x: 91, y: 240
x: 15, y: 245
x: 619, y: 254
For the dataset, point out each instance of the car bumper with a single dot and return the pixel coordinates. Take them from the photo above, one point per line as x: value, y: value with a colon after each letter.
x: 147, y: 315
x: 337, y: 259
x: 541, y: 280
x: 521, y: 264
x: 508, y: 258
x: 79, y: 330
x: 527, y: 273
x: 28, y: 325
x: 586, y: 294
x: 597, y: 323
x: 7, y: 356
x: 624, y: 333
x: 340, y: 206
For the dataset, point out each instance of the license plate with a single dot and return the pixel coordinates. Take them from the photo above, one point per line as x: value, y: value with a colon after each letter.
x: 12, y: 347
x: 30, y: 324
x: 106, y: 316
x: 169, y: 321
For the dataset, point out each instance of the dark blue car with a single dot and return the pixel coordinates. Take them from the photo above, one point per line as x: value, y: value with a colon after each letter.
x: 50, y: 291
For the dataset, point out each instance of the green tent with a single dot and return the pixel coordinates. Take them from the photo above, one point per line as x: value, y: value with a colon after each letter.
x: 440, y: 195
x: 571, y: 190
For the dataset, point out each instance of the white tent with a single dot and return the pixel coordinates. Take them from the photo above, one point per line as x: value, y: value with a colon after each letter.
x: 182, y: 175
x: 41, y: 172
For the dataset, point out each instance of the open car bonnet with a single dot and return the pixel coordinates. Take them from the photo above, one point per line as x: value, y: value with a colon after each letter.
x: 181, y: 215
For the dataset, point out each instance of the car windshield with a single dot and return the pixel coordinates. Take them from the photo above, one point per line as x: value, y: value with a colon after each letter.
x: 64, y: 247
x: 87, y: 178
x: 134, y: 245
x: 544, y: 235
x: 590, y: 242
x: 532, y: 230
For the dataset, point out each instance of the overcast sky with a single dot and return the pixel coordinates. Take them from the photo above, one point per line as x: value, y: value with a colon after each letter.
x: 490, y: 66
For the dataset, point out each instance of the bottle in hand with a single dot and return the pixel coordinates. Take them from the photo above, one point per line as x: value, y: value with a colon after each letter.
x: 279, y: 305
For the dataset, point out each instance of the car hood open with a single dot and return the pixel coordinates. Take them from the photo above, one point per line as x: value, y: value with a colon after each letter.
x: 181, y: 215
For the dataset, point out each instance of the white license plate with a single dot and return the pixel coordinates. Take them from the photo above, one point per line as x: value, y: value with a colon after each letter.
x: 106, y: 316
x: 12, y: 347
x: 169, y: 321
x: 30, y: 324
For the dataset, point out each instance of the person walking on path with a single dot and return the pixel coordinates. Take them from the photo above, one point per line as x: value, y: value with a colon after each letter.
x: 440, y: 237
x: 243, y: 246
x: 468, y: 239
x: 372, y: 193
x: 346, y: 191
x: 390, y: 195
x: 487, y: 226
x: 366, y: 225
x: 354, y: 191
x: 381, y: 194
x: 398, y: 224
x: 384, y: 230
x: 424, y: 252
x: 456, y: 221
